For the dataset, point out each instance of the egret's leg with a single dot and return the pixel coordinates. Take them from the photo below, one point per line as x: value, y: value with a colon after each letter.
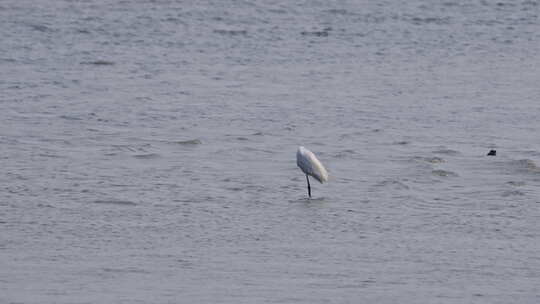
x: 308, y: 186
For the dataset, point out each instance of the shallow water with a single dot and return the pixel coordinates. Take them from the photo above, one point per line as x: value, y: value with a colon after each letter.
x: 148, y: 151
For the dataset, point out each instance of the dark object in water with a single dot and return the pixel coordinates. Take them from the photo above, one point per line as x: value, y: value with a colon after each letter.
x: 492, y: 153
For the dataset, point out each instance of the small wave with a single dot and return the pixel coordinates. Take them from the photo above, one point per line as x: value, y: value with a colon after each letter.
x: 146, y: 156
x: 532, y: 153
x: 345, y: 153
x: 323, y: 33
x: 125, y: 270
x: 431, y: 160
x: 231, y: 32
x: 252, y: 149
x: 527, y: 164
x: 41, y: 28
x: 70, y: 117
x: 435, y: 160
x: 189, y: 142
x: 130, y: 148
x: 430, y: 20
x: 500, y: 4
x: 339, y: 11
x: 512, y: 193
x: 305, y: 200
x: 10, y: 60
x: 236, y: 189
x: 115, y: 202
x: 444, y: 173
x: 392, y: 183
x: 523, y: 166
x: 516, y: 183
x: 447, y: 152
x: 531, y: 3
x: 98, y: 62
x: 49, y: 155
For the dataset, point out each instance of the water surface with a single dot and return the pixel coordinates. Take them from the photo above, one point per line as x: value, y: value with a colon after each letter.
x: 148, y: 151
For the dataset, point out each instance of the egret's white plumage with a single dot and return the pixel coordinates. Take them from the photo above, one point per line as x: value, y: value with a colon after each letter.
x: 310, y: 165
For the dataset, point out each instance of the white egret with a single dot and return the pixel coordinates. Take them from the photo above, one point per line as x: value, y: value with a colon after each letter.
x: 310, y: 165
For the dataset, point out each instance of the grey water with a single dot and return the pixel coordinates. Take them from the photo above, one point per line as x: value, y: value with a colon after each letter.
x: 147, y: 151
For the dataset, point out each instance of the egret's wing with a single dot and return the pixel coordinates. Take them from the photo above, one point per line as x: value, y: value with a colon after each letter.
x: 318, y: 170
x: 310, y: 165
x: 302, y: 160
